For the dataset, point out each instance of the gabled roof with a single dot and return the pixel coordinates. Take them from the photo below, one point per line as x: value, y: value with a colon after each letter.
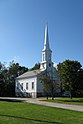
x: 30, y: 74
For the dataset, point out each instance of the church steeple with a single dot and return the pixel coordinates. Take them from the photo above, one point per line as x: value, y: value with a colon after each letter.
x: 46, y: 52
x: 46, y: 40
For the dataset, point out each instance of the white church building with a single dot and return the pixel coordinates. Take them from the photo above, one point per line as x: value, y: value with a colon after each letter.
x: 29, y: 84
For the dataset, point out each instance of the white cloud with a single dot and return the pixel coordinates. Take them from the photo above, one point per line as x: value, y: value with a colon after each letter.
x: 55, y: 65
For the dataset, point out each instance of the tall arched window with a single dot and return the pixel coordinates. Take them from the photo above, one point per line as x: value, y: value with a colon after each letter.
x: 32, y: 85
x: 26, y: 86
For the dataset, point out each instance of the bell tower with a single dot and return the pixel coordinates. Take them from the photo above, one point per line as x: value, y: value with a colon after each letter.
x: 46, y: 53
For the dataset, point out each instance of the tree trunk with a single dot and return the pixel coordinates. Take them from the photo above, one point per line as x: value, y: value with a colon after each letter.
x: 70, y: 90
x: 70, y: 93
x: 47, y: 96
x: 52, y: 92
x: 61, y: 90
x: 52, y: 97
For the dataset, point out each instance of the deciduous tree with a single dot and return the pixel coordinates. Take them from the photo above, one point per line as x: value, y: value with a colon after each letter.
x: 49, y: 84
x: 69, y: 72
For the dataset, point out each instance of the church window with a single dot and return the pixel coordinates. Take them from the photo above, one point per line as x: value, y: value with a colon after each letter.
x: 32, y: 85
x: 21, y: 86
x: 26, y: 86
x: 17, y: 85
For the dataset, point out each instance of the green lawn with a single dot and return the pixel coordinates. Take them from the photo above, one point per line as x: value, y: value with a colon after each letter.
x: 25, y: 113
x: 73, y: 101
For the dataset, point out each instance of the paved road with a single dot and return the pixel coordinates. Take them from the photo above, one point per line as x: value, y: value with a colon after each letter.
x: 38, y: 101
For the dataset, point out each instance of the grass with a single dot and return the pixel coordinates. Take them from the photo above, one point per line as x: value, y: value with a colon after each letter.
x: 73, y: 101
x: 25, y: 113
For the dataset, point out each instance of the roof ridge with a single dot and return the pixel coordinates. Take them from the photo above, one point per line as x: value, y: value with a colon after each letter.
x: 29, y: 74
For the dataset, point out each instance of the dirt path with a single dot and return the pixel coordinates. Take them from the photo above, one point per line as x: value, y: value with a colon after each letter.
x: 38, y: 101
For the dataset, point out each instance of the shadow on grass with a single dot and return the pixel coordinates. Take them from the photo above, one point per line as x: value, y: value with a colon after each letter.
x: 12, y: 100
x: 31, y: 119
x: 79, y: 101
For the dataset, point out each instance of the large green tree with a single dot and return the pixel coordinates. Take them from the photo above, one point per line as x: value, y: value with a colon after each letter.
x: 14, y: 70
x: 8, y: 76
x: 71, y: 75
x: 3, y: 71
x: 79, y: 87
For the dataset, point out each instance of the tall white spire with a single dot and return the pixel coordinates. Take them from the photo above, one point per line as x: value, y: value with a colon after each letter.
x: 46, y: 40
x: 46, y: 52
x: 47, y: 63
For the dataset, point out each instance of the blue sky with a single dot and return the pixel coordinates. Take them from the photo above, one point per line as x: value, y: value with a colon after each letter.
x: 22, y: 24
